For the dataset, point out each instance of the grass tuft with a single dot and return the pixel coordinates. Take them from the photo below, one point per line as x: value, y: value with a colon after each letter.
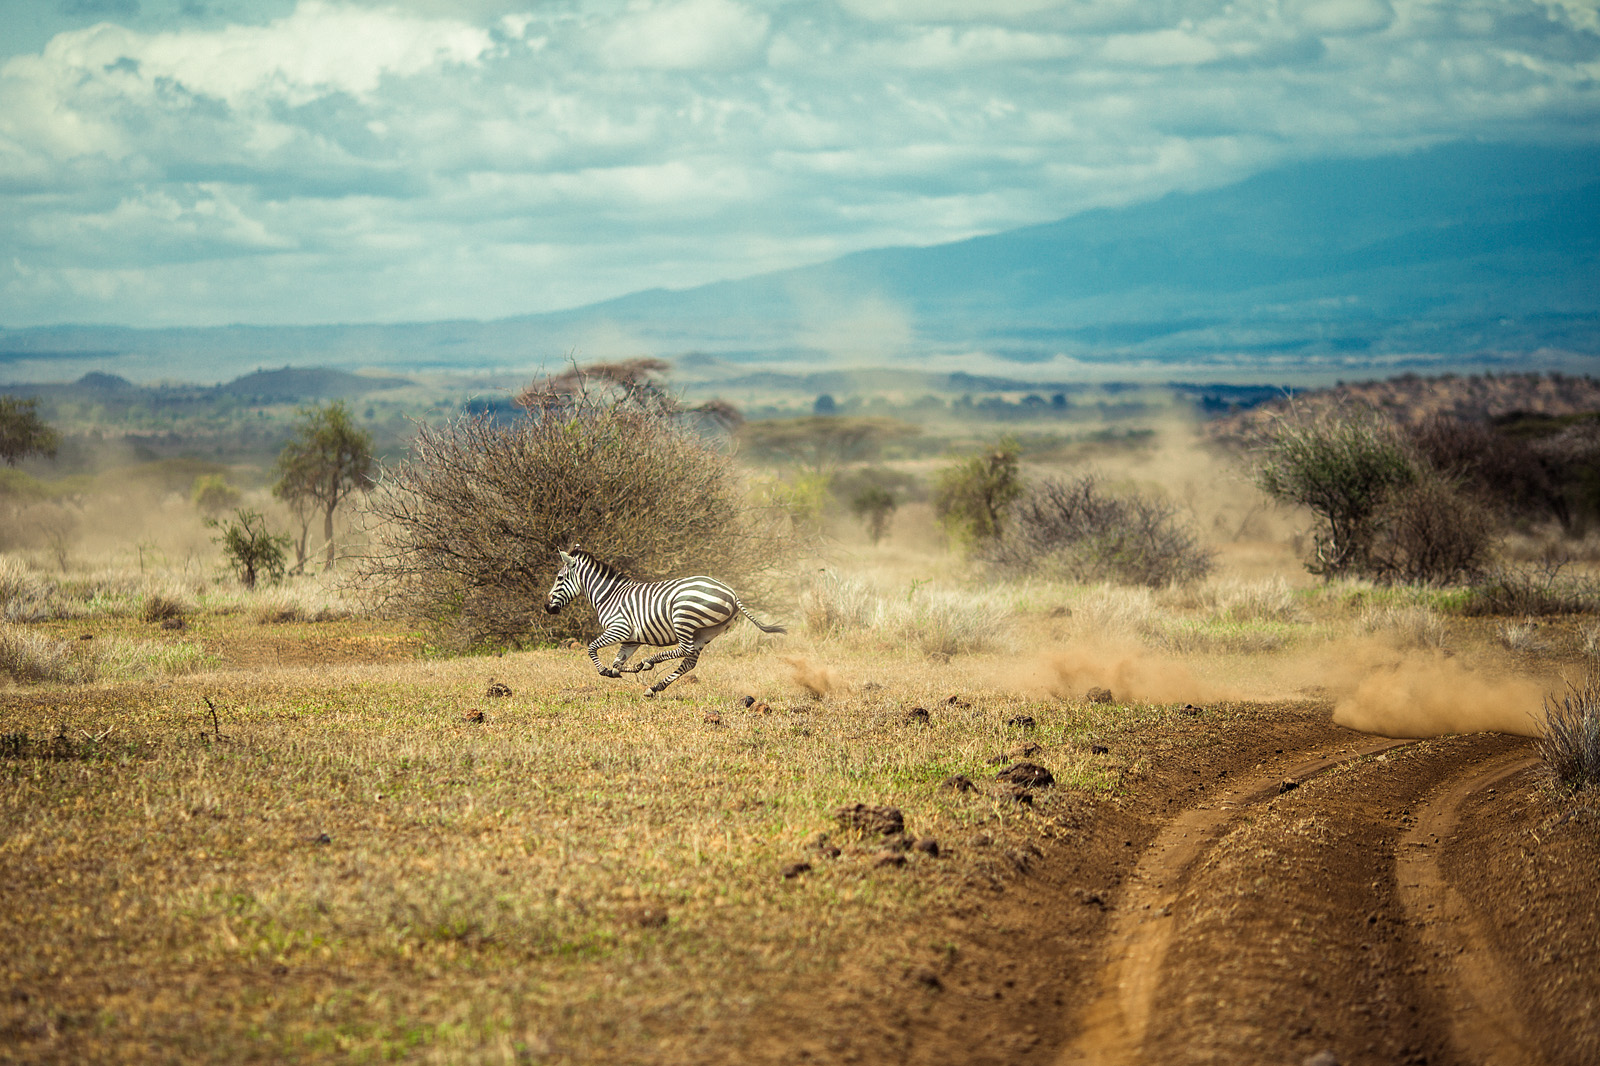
x: 1570, y: 743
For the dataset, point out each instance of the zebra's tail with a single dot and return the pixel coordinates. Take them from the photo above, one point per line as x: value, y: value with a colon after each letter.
x: 757, y: 624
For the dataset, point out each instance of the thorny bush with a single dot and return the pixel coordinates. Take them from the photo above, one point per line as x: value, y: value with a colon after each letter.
x: 464, y: 533
x: 1076, y: 530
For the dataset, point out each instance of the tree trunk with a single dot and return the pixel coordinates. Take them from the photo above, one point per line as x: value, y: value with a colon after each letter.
x: 327, y: 531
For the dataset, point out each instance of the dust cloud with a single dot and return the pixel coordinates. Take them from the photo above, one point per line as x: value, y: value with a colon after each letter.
x: 815, y: 678
x: 1129, y: 672
x: 1432, y: 696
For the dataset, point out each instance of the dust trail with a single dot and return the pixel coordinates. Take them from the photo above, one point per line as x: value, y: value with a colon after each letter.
x: 815, y: 678
x: 1130, y: 672
x: 1429, y: 696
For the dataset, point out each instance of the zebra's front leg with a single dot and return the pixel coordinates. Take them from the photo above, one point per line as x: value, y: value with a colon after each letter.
x: 609, y: 637
x: 689, y: 658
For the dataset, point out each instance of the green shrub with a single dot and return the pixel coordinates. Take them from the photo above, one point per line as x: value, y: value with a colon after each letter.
x: 251, y: 550
x: 970, y: 496
x: 1341, y: 465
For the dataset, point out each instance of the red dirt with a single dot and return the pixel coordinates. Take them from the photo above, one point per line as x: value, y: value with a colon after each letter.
x: 1402, y: 902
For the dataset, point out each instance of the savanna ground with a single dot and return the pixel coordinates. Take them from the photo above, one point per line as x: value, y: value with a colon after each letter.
x: 279, y: 830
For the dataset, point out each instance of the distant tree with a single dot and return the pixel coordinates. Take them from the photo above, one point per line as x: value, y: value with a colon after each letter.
x: 23, y: 432
x: 874, y: 505
x: 213, y: 495
x: 253, y: 552
x: 326, y: 460
x: 825, y: 405
x: 970, y: 496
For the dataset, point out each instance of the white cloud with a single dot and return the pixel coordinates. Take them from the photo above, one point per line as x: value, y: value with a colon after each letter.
x: 687, y: 35
x: 1341, y: 16
x: 395, y: 159
x: 1162, y: 48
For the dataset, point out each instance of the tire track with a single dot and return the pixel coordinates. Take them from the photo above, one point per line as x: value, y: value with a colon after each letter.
x: 1473, y: 990
x: 1111, y: 1030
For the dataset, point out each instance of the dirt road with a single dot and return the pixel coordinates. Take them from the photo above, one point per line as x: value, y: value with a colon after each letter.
x: 1286, y: 892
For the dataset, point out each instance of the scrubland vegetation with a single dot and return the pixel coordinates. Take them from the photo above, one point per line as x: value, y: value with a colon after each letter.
x: 296, y: 821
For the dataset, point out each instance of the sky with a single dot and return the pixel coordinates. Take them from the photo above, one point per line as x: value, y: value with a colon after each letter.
x: 209, y: 162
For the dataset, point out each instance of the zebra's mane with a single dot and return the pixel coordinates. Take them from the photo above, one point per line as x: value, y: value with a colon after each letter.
x: 604, y: 569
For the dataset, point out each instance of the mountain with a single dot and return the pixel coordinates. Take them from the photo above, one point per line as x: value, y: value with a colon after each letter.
x: 1483, y: 253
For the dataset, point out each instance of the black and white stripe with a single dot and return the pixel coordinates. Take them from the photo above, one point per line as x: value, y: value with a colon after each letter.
x: 682, y: 616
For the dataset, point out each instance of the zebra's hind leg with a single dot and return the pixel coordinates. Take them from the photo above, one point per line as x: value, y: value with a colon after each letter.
x: 689, y: 659
x: 623, y: 651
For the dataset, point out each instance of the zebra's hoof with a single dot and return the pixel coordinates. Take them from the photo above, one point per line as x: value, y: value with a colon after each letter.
x: 650, y: 693
x: 610, y: 673
x: 643, y: 667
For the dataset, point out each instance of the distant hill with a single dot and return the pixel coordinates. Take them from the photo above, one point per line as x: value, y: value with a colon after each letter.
x: 307, y: 383
x: 1476, y: 254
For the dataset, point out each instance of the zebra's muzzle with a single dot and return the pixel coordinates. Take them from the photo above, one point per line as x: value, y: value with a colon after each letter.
x: 552, y: 608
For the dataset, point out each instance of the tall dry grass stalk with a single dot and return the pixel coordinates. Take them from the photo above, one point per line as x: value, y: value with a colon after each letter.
x: 937, y: 621
x: 1570, y: 742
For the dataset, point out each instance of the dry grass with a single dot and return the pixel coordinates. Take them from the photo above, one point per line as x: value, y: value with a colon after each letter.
x: 347, y: 868
x: 936, y: 621
x: 1406, y: 625
x: 32, y: 657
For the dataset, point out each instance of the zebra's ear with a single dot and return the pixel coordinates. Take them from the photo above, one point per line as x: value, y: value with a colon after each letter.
x: 566, y: 560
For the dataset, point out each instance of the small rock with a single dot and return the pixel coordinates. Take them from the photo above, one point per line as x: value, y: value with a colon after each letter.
x: 1325, y: 1057
x: 322, y: 838
x: 713, y: 718
x: 1099, y: 695
x: 1031, y: 775
x: 1289, y: 785
x: 958, y: 783
x: 897, y: 842
x: 880, y: 821
x: 889, y: 858
x: 473, y: 715
x: 748, y: 701
x: 917, y: 716
x: 761, y: 708
x: 956, y: 701
x: 1025, y: 750
x: 795, y: 869
x: 928, y: 846
x: 647, y: 917
x: 924, y: 976
x: 1022, y: 721
x: 1190, y: 710
x: 497, y: 690
x: 1099, y: 749
x: 571, y: 644
x: 86, y: 636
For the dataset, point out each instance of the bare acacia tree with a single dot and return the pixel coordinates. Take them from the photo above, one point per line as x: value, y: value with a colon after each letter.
x: 463, y: 534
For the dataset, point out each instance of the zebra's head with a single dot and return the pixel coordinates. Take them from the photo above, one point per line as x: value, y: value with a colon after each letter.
x: 567, y: 584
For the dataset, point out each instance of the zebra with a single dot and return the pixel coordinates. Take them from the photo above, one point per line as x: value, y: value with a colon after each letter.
x: 687, y: 613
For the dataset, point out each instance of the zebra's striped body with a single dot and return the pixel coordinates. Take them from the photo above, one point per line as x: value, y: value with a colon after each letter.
x: 682, y: 616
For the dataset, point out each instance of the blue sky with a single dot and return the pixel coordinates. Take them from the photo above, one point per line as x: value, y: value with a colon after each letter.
x: 203, y: 162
